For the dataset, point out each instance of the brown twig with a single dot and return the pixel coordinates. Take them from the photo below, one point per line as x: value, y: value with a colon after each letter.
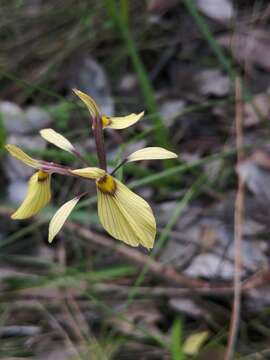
x: 156, y: 268
x: 161, y: 271
x: 238, y: 227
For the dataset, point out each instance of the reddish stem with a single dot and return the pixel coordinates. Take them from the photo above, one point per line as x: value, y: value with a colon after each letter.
x: 99, y: 139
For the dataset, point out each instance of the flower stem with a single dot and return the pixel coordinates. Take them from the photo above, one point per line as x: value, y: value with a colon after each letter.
x: 99, y: 139
x: 118, y: 166
x: 52, y: 167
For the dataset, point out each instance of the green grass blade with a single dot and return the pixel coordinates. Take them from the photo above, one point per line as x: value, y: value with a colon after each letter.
x: 224, y: 61
x: 161, y: 131
x: 179, y: 208
x: 176, y: 341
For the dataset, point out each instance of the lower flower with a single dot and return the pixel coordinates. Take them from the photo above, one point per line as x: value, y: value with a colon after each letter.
x: 125, y: 215
x: 122, y: 213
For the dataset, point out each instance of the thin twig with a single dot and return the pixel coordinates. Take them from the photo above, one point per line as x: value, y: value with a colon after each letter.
x: 167, y: 273
x: 155, y: 268
x: 238, y: 228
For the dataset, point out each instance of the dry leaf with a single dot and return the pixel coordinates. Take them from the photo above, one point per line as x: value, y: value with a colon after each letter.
x: 251, y: 47
x: 256, y: 110
x: 194, y: 342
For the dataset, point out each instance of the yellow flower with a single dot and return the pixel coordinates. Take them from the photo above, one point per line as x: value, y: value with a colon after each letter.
x: 39, y: 186
x: 123, y: 214
x: 112, y: 122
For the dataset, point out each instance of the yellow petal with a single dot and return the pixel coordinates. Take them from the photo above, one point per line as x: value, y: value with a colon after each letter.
x: 60, y: 217
x: 89, y: 102
x: 126, y: 216
x: 89, y: 172
x: 121, y: 122
x: 194, y: 342
x: 151, y: 153
x: 57, y: 139
x: 37, y: 197
x: 22, y: 156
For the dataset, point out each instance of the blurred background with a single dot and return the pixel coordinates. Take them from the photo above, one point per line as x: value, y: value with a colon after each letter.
x: 86, y: 296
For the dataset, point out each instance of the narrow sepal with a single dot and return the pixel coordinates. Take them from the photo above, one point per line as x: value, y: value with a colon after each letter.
x: 61, y: 216
x: 89, y: 172
x: 89, y: 102
x: 121, y: 122
x: 19, y: 154
x: 57, y: 139
x: 151, y: 153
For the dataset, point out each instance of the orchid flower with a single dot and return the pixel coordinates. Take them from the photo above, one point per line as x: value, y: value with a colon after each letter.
x: 123, y: 214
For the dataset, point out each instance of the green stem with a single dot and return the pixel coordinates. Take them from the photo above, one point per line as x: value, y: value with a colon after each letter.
x: 118, y: 166
x: 161, y: 132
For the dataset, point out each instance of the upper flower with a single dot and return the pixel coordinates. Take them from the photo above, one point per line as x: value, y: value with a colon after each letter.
x: 117, y: 123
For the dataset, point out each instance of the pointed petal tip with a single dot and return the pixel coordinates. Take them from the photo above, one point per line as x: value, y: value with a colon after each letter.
x: 20, y: 155
x: 123, y: 122
x: 60, y: 217
x: 57, y: 139
x: 93, y: 173
x: 76, y: 91
x: 89, y: 102
x: 151, y: 153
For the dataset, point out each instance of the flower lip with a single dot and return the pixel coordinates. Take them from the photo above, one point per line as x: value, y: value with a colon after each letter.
x: 107, y: 184
x: 42, y: 176
x: 106, y: 121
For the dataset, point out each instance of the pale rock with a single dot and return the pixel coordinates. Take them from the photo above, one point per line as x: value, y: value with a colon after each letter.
x: 91, y: 78
x: 14, y: 118
x: 170, y: 109
x: 210, y: 266
x: 17, y: 191
x: 128, y: 82
x: 15, y: 169
x: 189, y: 307
x: 212, y: 82
x: 219, y: 10
x: 37, y: 117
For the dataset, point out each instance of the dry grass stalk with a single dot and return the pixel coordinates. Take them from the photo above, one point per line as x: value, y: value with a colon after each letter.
x: 238, y: 227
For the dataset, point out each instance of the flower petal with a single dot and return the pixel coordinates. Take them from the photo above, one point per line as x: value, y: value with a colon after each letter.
x: 151, y: 153
x: 89, y: 172
x: 89, y: 102
x: 37, y: 197
x: 121, y: 122
x: 61, y: 216
x: 57, y: 139
x: 126, y: 216
x: 22, y: 156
